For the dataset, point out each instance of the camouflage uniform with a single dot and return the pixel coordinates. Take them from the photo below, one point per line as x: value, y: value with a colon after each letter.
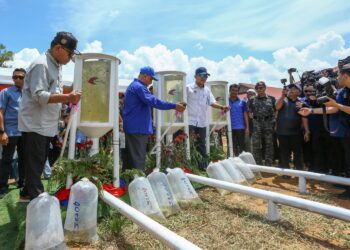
x: 263, y: 109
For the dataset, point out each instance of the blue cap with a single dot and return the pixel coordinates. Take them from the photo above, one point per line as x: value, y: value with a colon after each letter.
x: 202, y: 70
x: 149, y: 71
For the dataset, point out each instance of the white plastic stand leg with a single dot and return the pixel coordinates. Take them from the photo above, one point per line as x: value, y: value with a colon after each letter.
x: 272, y: 211
x: 95, y: 146
x: 302, y: 185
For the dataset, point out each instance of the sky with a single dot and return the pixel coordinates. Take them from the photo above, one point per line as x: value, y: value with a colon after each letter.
x: 236, y: 40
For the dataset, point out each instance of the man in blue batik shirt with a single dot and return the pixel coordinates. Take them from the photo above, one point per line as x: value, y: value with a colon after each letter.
x: 239, y: 120
x: 10, y: 136
x: 137, y: 123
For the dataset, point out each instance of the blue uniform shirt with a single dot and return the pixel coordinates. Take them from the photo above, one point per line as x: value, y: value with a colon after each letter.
x: 339, y: 123
x: 10, y: 100
x: 138, y: 104
x: 238, y: 108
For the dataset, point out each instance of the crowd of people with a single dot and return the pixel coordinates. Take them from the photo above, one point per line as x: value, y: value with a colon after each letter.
x: 296, y: 129
x: 290, y: 129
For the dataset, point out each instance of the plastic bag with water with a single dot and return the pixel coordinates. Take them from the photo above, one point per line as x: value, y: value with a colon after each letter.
x: 164, y: 195
x: 234, y: 172
x: 143, y: 199
x: 245, y: 170
x: 81, y: 219
x: 249, y: 159
x: 44, y: 224
x: 218, y: 172
x: 183, y: 190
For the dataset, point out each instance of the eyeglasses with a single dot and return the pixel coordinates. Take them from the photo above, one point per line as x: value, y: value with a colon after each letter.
x: 70, y: 53
x: 203, y: 75
x: 17, y: 77
x: 260, y: 88
x: 308, y: 91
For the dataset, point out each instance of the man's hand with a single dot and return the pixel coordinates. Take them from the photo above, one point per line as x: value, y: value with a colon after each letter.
x: 304, y: 111
x: 307, y: 136
x: 74, y: 97
x: 246, y: 131
x: 4, y: 139
x: 225, y: 108
x: 331, y: 103
x: 180, y: 106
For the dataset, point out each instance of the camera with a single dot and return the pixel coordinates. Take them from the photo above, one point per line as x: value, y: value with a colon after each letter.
x: 284, y: 81
x: 322, y: 100
x: 326, y: 87
x: 324, y: 82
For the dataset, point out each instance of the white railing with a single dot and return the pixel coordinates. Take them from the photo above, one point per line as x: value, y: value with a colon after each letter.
x: 169, y: 238
x: 274, y: 198
x: 302, y: 175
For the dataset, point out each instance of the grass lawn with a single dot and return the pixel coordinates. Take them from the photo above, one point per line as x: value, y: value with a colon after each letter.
x: 234, y: 221
x: 12, y: 220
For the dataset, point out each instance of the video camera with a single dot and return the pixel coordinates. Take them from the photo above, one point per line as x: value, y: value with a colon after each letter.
x: 324, y: 82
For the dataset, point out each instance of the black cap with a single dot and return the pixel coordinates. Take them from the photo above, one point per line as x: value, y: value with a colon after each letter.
x: 202, y: 70
x: 67, y: 40
x: 345, y: 69
x: 293, y: 85
x: 260, y: 83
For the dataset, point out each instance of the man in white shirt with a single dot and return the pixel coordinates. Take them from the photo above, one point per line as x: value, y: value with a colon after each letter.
x: 199, y: 97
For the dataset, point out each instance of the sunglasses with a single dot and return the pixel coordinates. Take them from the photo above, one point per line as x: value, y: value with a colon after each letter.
x: 70, y: 53
x: 203, y: 75
x: 308, y: 91
x: 260, y: 88
x: 17, y: 77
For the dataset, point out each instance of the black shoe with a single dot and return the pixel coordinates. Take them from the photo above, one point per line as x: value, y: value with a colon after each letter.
x: 345, y: 195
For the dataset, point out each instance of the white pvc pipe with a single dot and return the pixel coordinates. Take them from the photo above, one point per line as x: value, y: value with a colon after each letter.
x: 306, y: 174
x: 116, y: 136
x: 272, y: 211
x: 95, y: 146
x: 336, y: 212
x: 302, y: 185
x: 160, y: 232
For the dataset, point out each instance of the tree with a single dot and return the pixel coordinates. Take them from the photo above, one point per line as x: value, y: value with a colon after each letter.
x: 5, y: 56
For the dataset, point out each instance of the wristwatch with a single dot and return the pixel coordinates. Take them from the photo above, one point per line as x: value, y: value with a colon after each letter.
x: 2, y: 131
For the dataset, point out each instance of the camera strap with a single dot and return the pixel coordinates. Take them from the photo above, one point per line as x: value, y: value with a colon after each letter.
x: 324, y: 117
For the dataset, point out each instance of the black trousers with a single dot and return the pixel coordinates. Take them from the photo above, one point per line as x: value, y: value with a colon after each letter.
x: 7, y: 157
x: 287, y: 145
x: 36, y: 149
x: 201, y: 134
x: 320, y: 149
x: 346, y: 147
x: 135, y: 155
x: 336, y: 156
x: 238, y: 141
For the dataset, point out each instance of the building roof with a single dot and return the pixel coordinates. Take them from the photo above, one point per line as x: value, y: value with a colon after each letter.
x: 273, y: 91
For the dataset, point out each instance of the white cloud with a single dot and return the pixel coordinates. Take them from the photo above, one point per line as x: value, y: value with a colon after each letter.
x: 23, y: 58
x: 93, y: 47
x: 259, y: 25
x: 322, y: 53
x: 232, y: 69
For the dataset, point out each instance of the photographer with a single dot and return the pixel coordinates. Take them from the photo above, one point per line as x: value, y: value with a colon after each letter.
x: 319, y: 136
x: 289, y: 127
x: 342, y: 107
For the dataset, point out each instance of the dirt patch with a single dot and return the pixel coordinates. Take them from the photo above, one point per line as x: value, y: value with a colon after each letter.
x: 237, y: 221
